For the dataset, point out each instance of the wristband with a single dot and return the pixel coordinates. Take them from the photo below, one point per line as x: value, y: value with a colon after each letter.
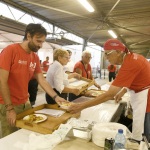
x: 7, y: 105
x: 55, y: 97
x: 9, y: 109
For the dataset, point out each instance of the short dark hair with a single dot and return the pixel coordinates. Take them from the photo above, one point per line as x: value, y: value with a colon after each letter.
x: 34, y: 29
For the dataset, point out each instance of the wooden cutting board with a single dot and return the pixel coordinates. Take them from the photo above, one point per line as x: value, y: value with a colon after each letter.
x: 49, y: 125
x: 93, y: 93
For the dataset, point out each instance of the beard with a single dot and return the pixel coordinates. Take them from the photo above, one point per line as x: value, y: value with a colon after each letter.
x: 33, y: 47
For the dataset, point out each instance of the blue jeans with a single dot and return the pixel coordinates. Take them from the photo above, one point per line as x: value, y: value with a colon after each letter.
x: 147, y: 126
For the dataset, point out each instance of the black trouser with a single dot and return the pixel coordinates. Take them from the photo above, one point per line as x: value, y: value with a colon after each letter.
x: 112, y: 75
x: 73, y: 97
x: 32, y: 89
x: 147, y: 126
x: 50, y: 100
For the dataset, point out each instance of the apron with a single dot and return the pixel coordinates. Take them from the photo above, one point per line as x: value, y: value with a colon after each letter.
x: 138, y: 103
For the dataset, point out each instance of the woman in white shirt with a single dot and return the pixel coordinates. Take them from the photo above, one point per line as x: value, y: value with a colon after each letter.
x: 57, y: 77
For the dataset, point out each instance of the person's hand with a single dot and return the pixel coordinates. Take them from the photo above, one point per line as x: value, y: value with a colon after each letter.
x: 60, y: 100
x: 118, y: 96
x: 75, y: 108
x: 11, y: 117
x: 76, y: 75
x: 76, y: 91
x: 98, y: 86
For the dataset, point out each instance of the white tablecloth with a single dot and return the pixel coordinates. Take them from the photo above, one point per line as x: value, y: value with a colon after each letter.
x: 100, y: 113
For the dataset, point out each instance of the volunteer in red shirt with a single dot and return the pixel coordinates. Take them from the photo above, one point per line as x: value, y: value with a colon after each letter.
x: 18, y: 64
x: 134, y: 77
x: 112, y: 72
x: 45, y: 64
x: 83, y: 67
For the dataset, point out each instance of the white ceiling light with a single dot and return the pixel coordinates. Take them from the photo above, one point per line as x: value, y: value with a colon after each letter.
x: 86, y: 5
x: 59, y: 37
x: 111, y: 32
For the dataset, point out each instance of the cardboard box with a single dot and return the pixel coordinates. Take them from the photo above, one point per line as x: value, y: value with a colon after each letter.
x: 49, y: 125
x: 83, y: 134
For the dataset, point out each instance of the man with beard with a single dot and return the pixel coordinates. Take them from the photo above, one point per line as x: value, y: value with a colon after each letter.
x: 18, y: 64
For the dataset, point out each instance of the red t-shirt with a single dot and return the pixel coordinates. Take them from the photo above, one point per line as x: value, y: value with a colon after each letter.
x: 21, y: 66
x: 111, y: 69
x: 45, y: 65
x: 134, y: 74
x: 87, y: 73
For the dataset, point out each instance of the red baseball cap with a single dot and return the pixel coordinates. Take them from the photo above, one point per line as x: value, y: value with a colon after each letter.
x: 114, y: 44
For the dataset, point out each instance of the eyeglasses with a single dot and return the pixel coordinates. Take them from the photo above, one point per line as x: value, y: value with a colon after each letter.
x: 88, y: 57
x: 66, y: 57
x: 109, y: 53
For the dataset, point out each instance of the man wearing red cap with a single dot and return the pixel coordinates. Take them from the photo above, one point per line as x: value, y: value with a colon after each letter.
x: 134, y: 77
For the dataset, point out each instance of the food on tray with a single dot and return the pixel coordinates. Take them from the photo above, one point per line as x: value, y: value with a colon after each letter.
x: 35, y: 118
x: 65, y: 105
x: 94, y: 93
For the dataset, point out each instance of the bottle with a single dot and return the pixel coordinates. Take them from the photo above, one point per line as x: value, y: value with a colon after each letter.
x: 120, y: 140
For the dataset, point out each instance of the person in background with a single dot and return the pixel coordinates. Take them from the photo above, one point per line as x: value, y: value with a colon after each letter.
x: 112, y: 72
x: 18, y: 64
x: 70, y: 65
x: 134, y: 77
x: 32, y: 89
x: 45, y: 64
x: 57, y: 77
x: 83, y: 67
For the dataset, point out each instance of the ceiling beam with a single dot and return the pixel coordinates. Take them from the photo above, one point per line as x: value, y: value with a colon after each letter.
x: 41, y: 17
x: 12, y: 26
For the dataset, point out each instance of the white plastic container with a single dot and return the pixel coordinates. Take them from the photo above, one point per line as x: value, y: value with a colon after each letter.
x: 101, y: 131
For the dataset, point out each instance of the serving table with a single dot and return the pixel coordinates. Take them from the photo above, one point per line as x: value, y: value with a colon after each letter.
x: 102, y: 113
x: 18, y: 138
